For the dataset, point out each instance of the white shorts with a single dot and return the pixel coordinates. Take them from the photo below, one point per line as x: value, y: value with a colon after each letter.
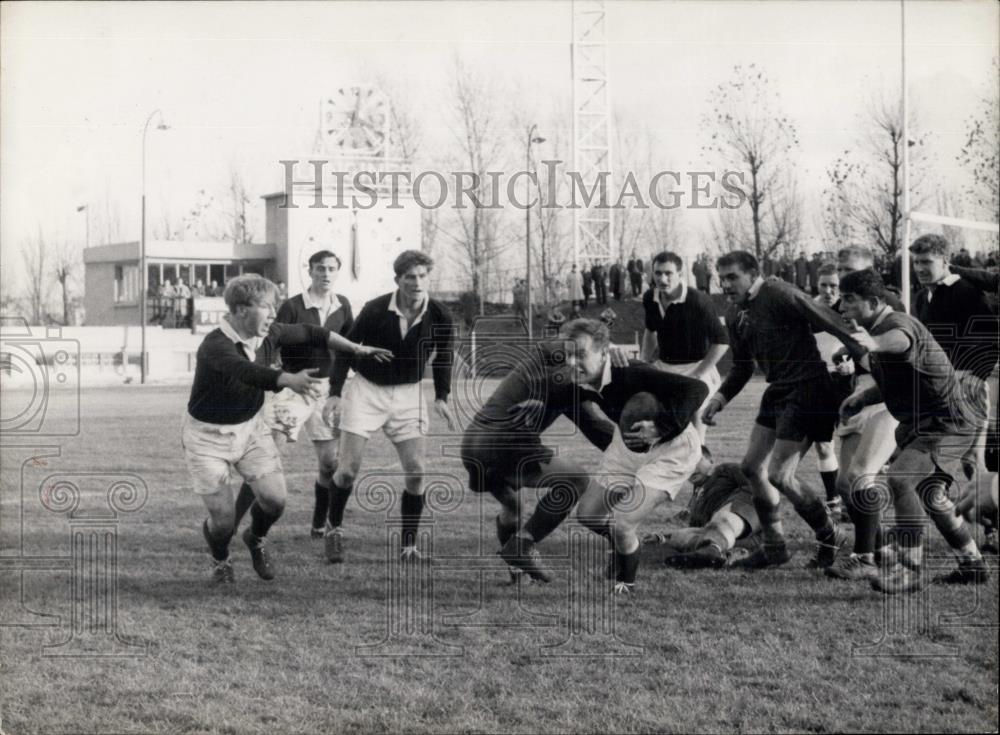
x: 660, y: 471
x: 214, y: 452
x: 856, y: 424
x: 288, y: 413
x: 396, y: 409
x: 688, y: 369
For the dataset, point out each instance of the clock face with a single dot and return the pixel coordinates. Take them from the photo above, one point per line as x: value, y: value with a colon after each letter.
x: 356, y: 120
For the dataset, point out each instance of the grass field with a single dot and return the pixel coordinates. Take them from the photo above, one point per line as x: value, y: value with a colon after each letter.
x: 339, y: 649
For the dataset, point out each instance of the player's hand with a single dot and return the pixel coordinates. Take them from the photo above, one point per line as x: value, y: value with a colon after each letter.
x: 304, y: 382
x: 331, y: 411
x: 441, y: 407
x: 851, y: 406
x: 619, y: 358
x: 527, y: 413
x: 860, y: 334
x: 379, y: 354
x: 843, y: 364
x: 708, y: 415
x: 642, y: 435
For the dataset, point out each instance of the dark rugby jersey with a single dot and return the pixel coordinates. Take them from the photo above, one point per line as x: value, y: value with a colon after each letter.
x: 919, y: 383
x: 686, y: 329
x: 228, y: 388
x: 295, y: 358
x: 775, y: 328
x: 376, y: 325
x: 722, y: 486
x: 962, y: 323
x: 542, y: 377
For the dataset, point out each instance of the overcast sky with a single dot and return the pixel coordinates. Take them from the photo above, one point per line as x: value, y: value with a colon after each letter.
x: 241, y: 82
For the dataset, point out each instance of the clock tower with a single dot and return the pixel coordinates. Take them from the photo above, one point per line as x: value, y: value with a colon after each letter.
x: 355, y: 136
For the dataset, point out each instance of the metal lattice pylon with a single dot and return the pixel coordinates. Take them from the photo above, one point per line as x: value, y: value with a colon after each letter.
x: 593, y: 223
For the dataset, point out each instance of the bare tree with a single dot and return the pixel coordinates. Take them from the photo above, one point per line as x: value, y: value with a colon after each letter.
x: 476, y: 112
x: 224, y: 218
x: 751, y: 134
x: 67, y: 262
x: 980, y: 154
x: 865, y: 190
x: 36, y: 267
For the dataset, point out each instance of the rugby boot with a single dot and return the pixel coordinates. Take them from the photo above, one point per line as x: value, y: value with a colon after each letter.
x: 852, y: 567
x: 969, y: 571
x: 504, y: 533
x: 901, y: 579
x: 258, y: 555
x: 333, y: 545
x: 521, y: 554
x: 826, y: 551
x: 222, y: 571
x: 765, y: 555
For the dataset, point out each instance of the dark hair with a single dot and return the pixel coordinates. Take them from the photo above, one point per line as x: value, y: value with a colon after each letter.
x: 741, y: 259
x: 865, y: 283
x: 410, y: 258
x: 860, y: 251
x: 930, y: 244
x: 827, y: 269
x: 668, y: 257
x: 320, y: 256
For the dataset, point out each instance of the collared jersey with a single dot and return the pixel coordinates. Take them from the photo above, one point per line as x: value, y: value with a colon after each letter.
x: 685, y: 328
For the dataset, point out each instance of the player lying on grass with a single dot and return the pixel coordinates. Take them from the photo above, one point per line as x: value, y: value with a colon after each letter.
x: 636, y: 478
x: 719, y: 514
x: 772, y: 324
x: 224, y: 430
x: 937, y: 427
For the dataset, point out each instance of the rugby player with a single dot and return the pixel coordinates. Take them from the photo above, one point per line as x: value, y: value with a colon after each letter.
x: 683, y: 333
x: 773, y: 323
x: 288, y: 413
x: 937, y: 426
x: 387, y: 395
x: 719, y: 514
x: 654, y: 450
x: 224, y: 430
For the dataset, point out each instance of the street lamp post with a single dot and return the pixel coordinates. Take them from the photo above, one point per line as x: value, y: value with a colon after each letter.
x: 143, y: 285
x: 527, y: 225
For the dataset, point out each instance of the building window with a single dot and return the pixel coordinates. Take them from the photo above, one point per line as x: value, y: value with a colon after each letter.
x: 126, y: 286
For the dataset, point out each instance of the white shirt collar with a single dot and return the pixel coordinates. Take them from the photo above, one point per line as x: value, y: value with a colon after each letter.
x: 394, y: 307
x: 755, y: 288
x: 949, y: 280
x: 605, y: 375
x: 679, y: 300
x: 331, y: 304
x: 250, y: 346
x: 886, y: 311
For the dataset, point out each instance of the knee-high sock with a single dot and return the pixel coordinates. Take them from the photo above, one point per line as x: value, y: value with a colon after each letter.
x: 830, y: 484
x: 910, y: 518
x: 261, y: 521
x: 338, y: 501
x: 322, y: 506
x: 771, y: 530
x: 218, y: 541
x: 864, y: 507
x: 815, y: 514
x: 411, y: 507
x: 627, y: 565
x: 552, y: 510
x: 243, y: 502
